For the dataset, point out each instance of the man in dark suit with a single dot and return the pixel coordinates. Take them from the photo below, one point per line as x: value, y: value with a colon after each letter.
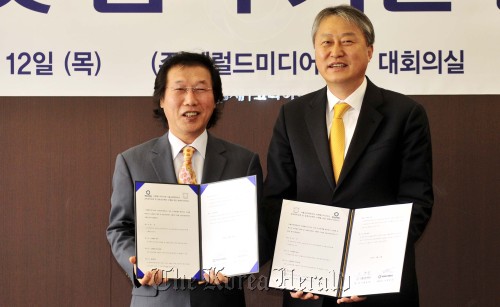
x: 188, y: 91
x: 387, y: 148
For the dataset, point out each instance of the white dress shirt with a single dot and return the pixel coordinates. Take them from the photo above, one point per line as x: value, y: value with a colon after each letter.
x: 350, y: 118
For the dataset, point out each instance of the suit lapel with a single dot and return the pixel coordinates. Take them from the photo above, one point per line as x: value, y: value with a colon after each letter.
x: 215, y: 161
x: 162, y: 161
x: 368, y: 121
x: 316, y: 124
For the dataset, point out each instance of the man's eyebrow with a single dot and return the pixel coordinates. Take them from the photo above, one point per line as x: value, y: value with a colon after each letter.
x: 197, y: 82
x: 347, y: 34
x: 201, y: 82
x: 341, y: 35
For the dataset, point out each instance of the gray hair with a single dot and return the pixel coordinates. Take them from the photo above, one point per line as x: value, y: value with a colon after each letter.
x: 348, y: 13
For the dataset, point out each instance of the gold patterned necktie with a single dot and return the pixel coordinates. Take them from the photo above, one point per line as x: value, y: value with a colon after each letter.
x: 337, y: 138
x: 187, y: 174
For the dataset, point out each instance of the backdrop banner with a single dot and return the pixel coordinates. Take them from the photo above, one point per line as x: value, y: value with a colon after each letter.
x: 262, y: 47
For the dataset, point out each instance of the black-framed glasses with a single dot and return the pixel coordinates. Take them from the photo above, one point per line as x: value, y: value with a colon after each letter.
x: 194, y: 90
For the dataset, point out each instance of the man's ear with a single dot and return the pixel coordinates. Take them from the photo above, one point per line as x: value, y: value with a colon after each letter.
x: 370, y: 52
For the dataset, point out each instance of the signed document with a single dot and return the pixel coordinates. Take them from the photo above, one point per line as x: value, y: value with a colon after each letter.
x: 340, y: 252
x: 187, y: 229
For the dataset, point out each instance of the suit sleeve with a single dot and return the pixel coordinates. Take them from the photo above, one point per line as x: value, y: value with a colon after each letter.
x: 415, y: 183
x: 121, y: 228
x: 281, y: 176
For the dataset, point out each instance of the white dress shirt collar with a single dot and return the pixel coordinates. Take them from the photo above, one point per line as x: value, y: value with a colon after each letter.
x: 200, y: 144
x: 355, y: 100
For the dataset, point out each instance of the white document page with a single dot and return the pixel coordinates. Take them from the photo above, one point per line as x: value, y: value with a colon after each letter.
x: 309, y: 247
x: 167, y: 234
x: 377, y: 250
x: 229, y: 226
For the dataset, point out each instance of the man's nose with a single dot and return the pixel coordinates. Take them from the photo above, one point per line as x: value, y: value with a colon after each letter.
x: 190, y: 97
x: 336, y: 50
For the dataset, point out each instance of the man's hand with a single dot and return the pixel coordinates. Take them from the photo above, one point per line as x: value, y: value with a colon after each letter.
x: 151, y: 278
x: 352, y: 299
x: 304, y: 295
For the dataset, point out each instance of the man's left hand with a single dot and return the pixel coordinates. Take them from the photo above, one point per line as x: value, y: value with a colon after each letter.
x: 352, y: 299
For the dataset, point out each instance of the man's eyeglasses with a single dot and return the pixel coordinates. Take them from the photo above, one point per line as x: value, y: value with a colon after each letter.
x: 194, y: 90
